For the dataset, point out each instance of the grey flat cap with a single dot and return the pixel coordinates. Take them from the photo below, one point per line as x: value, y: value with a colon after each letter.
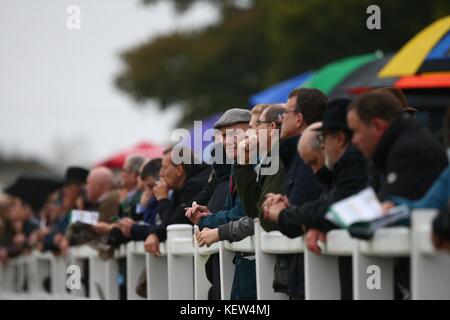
x: 233, y: 116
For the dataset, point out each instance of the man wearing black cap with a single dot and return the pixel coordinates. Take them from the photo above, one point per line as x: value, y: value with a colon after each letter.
x: 75, y: 180
x: 347, y: 175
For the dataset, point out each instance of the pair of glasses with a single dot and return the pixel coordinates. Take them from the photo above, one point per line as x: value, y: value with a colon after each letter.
x: 289, y: 111
x: 258, y: 122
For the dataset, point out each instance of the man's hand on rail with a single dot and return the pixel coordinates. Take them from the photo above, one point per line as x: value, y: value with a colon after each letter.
x: 151, y: 245
x: 312, y: 238
x: 125, y: 225
x: 207, y: 236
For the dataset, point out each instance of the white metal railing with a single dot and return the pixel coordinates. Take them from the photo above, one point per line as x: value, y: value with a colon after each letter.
x: 179, y: 272
x: 322, y: 281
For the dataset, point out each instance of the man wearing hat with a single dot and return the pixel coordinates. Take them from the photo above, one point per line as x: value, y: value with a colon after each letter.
x: 74, y: 182
x: 347, y: 175
x: 232, y: 126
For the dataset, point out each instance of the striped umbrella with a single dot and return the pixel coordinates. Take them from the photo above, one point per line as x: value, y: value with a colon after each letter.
x: 363, y: 79
x: 331, y: 75
x: 424, y: 61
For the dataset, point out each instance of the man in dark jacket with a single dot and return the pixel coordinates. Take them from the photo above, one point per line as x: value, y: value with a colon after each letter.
x: 186, y: 180
x: 74, y: 182
x: 408, y: 157
x: 220, y: 181
x: 347, y: 175
x: 304, y: 107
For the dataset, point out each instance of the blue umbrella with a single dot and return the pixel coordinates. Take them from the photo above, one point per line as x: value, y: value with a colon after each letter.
x: 279, y: 92
x: 196, y: 133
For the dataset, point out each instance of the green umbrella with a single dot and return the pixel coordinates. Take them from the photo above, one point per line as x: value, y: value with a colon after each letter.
x: 329, y: 76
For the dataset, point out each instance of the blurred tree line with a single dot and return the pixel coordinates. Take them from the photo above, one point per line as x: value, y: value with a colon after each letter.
x: 258, y: 43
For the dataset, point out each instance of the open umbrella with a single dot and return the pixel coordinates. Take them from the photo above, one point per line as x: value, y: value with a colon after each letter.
x: 146, y: 149
x: 428, y: 51
x: 279, y: 92
x: 330, y: 75
x: 363, y: 79
x: 197, y: 133
x: 33, y: 189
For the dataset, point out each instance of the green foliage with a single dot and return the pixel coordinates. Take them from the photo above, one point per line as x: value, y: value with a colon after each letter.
x: 218, y: 67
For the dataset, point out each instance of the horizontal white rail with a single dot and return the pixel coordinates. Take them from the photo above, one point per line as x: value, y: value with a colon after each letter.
x: 179, y: 271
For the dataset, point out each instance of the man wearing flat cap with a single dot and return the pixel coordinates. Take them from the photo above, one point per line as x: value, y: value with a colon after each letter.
x: 232, y: 126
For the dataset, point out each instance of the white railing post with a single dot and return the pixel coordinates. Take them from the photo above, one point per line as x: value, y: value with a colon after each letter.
x: 21, y: 272
x: 375, y: 258
x: 157, y: 277
x: 103, y: 275
x: 226, y: 271
x: 430, y: 269
x: 58, y: 277
x: 180, y: 261
x: 77, y: 256
x: 40, y: 269
x: 322, y: 271
x: 267, y: 246
x: 201, y: 256
x: 2, y: 276
x: 10, y: 276
x: 135, y: 267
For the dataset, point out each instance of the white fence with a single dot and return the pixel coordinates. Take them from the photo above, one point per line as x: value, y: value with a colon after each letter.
x: 179, y: 272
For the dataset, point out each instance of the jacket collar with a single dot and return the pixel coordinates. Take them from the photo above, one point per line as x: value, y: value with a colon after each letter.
x: 390, y: 136
x: 349, y: 155
x: 288, y: 150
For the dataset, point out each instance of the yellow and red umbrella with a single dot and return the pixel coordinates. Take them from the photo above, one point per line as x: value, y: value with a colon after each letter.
x: 423, y: 62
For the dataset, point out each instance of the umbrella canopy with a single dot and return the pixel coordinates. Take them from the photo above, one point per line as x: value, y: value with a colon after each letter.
x: 197, y: 132
x: 34, y: 190
x: 279, y: 92
x: 424, y: 81
x: 144, y: 149
x: 428, y: 51
x: 329, y: 76
x: 363, y: 79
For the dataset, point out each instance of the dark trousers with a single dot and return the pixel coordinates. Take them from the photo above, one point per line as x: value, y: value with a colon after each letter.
x: 244, y: 282
x: 212, y: 269
x: 345, y: 277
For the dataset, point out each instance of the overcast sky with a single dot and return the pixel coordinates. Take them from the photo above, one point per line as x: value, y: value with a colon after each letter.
x: 57, y: 98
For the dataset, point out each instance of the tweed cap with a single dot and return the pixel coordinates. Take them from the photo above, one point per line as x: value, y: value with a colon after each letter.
x: 233, y: 116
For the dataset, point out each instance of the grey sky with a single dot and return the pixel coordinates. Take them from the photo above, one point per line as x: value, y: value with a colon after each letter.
x: 58, y: 101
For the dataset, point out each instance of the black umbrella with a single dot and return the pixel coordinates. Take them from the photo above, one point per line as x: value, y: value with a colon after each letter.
x: 363, y: 79
x: 34, y: 190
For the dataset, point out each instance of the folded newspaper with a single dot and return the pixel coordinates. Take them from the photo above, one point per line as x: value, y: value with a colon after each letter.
x: 83, y: 216
x: 362, y: 214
